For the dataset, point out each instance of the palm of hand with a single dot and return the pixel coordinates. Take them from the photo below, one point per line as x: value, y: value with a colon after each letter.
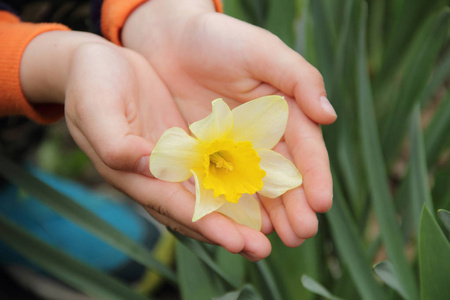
x: 116, y: 110
x: 211, y: 56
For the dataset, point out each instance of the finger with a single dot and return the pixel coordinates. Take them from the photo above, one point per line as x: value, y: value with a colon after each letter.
x: 271, y: 61
x: 301, y: 216
x: 306, y: 145
x: 257, y: 245
x: 266, y: 226
x: 278, y: 215
x: 175, y: 202
x: 175, y: 226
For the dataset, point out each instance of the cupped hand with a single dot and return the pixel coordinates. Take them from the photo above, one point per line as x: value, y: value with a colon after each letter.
x: 202, y: 55
x: 116, y: 109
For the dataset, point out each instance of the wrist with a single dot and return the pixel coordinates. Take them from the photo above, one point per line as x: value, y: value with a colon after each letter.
x: 45, y: 64
x: 154, y: 19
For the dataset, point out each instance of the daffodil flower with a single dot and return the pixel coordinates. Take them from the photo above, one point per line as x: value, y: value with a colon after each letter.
x: 230, y: 158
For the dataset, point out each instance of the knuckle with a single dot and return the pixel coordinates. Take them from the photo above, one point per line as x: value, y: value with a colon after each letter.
x: 316, y: 76
x: 112, y: 156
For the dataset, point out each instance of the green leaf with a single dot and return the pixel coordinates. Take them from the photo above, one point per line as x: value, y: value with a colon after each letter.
x: 444, y: 215
x: 231, y: 264
x: 196, y: 280
x: 408, y: 18
x: 440, y: 74
x: 263, y: 279
x: 377, y: 175
x: 350, y: 246
x: 434, y: 259
x: 317, y: 288
x: 268, y: 279
x: 325, y: 38
x: 305, y: 35
x: 420, y: 60
x: 80, y: 215
x: 377, y: 11
x: 288, y: 265
x: 280, y: 20
x: 418, y: 174
x: 199, y: 250
x: 386, y: 272
x: 62, y: 266
x: 235, y: 9
x: 437, y: 131
x: 245, y: 293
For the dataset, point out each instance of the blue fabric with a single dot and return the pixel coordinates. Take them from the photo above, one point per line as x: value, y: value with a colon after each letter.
x: 54, y: 229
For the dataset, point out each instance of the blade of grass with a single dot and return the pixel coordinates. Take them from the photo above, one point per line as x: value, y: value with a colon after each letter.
x: 231, y: 264
x: 377, y: 175
x: 234, y: 8
x: 64, y: 267
x: 440, y: 74
x: 317, y: 288
x: 406, y: 24
x: 280, y: 20
x: 305, y: 33
x: 245, y: 293
x: 340, y: 142
x: 420, y: 60
x: 437, y: 131
x: 80, y: 215
x: 386, y: 272
x: 444, y: 215
x: 434, y: 259
x: 325, y: 40
x: 268, y: 279
x: 199, y: 250
x: 376, y: 33
x: 348, y: 242
x: 196, y: 280
x: 288, y: 265
x: 418, y: 174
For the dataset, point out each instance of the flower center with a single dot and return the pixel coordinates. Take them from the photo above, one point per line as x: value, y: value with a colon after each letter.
x: 220, y: 162
x: 232, y: 169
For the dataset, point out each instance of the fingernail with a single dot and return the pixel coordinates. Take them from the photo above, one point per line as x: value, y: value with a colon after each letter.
x: 327, y: 107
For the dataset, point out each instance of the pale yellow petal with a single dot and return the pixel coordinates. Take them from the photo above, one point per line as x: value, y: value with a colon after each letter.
x: 281, y: 174
x: 175, y: 154
x: 205, y: 203
x: 246, y: 211
x: 261, y: 121
x: 217, y: 125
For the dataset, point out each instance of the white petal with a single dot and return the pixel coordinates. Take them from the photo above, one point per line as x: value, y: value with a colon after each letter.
x: 281, y: 174
x: 205, y: 203
x: 261, y: 121
x: 246, y: 211
x: 175, y: 154
x: 218, y: 124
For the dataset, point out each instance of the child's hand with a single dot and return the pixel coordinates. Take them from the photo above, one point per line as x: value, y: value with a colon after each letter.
x: 116, y: 109
x: 202, y: 55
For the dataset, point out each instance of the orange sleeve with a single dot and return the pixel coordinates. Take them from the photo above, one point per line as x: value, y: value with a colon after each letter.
x: 15, y: 36
x: 115, y: 13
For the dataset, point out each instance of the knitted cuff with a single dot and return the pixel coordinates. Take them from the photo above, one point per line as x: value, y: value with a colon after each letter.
x: 15, y: 37
x: 116, y: 12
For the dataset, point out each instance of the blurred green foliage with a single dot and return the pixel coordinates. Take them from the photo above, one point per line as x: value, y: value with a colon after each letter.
x: 386, y: 66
